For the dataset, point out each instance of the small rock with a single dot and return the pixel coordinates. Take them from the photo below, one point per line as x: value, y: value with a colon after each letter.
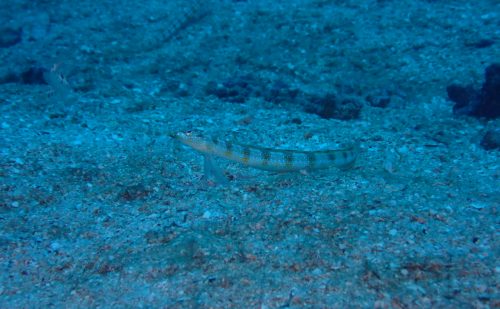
x: 478, y: 205
x: 491, y: 140
x: 330, y: 106
x: 381, y: 100
x: 134, y: 192
x: 55, y: 246
x: 480, y: 43
x: 236, y: 90
x: 33, y: 76
x: 10, y: 37
x: 483, y: 103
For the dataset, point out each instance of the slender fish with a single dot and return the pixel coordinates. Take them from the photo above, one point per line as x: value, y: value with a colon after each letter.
x: 269, y: 159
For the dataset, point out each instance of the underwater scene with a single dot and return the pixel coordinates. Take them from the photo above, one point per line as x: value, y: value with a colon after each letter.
x: 250, y: 154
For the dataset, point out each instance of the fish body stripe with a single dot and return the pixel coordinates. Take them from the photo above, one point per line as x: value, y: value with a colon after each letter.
x: 331, y: 157
x: 266, y: 156
x: 245, y: 158
x: 228, y: 152
x: 288, y: 159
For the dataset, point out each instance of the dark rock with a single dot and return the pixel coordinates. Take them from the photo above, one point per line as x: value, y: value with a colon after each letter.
x: 484, y: 103
x: 491, y: 140
x: 236, y: 90
x: 280, y: 92
x: 348, y: 108
x: 490, y: 93
x: 9, y: 78
x: 240, y: 89
x: 466, y: 99
x: 10, y: 37
x: 33, y: 76
x: 176, y: 87
x: 329, y: 106
x: 322, y: 106
x: 134, y: 192
x: 482, y: 43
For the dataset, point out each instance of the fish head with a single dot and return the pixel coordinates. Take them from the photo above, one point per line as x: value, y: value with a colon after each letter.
x: 191, y: 139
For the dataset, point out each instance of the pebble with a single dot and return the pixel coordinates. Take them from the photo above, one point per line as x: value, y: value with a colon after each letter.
x: 478, y: 205
x: 491, y: 140
x: 393, y: 232
x: 55, y: 246
x: 403, y: 150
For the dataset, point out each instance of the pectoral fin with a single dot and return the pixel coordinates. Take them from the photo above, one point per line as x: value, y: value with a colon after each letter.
x: 212, y: 170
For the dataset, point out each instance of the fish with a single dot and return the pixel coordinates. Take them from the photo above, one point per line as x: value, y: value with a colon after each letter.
x: 263, y: 158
